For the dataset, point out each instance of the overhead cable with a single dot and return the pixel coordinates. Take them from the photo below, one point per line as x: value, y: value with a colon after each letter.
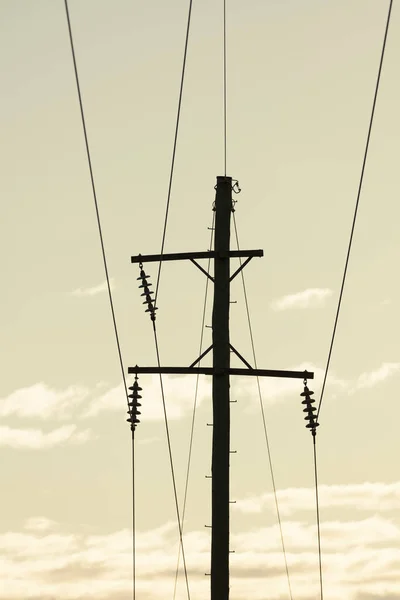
x: 89, y: 160
x: 318, y: 518
x: 225, y: 89
x: 164, y: 233
x: 378, y: 79
x: 171, y: 174
x: 179, y: 520
x: 96, y: 205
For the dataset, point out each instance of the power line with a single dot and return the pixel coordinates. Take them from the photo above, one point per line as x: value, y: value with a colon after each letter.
x: 357, y: 205
x: 95, y: 200
x: 158, y: 283
x: 89, y: 160
x: 318, y: 519
x: 133, y: 517
x: 171, y: 462
x: 225, y: 93
x: 194, y: 405
x: 178, y: 116
x: 263, y: 418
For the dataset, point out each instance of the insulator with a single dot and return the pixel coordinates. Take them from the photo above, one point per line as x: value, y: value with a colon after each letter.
x: 307, y: 392
x: 135, y: 387
x: 132, y: 416
x: 309, y: 409
x: 145, y: 286
x: 151, y: 309
x: 133, y: 406
x: 142, y: 275
x: 308, y: 401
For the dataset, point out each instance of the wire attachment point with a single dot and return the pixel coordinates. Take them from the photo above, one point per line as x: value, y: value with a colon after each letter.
x: 235, y: 187
x: 309, y: 409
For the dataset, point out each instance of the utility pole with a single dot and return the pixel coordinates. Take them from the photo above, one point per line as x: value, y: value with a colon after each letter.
x: 220, y: 372
x: 220, y: 394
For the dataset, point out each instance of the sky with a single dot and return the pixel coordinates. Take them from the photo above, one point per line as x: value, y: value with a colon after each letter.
x: 301, y: 77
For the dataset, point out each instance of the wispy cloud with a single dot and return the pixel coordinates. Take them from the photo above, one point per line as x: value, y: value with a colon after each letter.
x: 277, y: 390
x: 41, y: 401
x: 179, y: 392
x: 36, y: 439
x: 360, y: 557
x: 374, y: 497
x: 372, y: 378
x: 39, y: 524
x: 93, y: 291
x: 310, y: 298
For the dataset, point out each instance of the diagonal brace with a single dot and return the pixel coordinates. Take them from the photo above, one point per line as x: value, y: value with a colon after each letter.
x: 240, y: 356
x: 201, y: 356
x: 242, y: 266
x: 201, y: 269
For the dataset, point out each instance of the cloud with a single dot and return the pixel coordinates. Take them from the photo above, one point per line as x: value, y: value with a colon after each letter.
x: 75, y: 402
x: 178, y: 391
x: 39, y: 524
x: 375, y: 497
x: 368, y: 380
x: 149, y: 441
x: 41, y: 401
x: 278, y: 389
x: 36, y: 439
x: 310, y: 298
x: 360, y: 559
x: 93, y: 291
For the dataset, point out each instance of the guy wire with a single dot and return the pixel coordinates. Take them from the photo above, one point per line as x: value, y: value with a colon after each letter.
x: 264, y: 418
x: 194, y: 404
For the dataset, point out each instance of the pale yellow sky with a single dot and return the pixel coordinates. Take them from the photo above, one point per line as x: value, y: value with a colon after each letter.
x: 301, y: 76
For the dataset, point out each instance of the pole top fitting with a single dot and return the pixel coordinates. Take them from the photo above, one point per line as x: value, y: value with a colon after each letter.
x: 224, y: 179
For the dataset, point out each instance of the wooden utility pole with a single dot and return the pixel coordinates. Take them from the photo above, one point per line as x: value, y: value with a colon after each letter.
x: 220, y: 394
x: 220, y: 372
